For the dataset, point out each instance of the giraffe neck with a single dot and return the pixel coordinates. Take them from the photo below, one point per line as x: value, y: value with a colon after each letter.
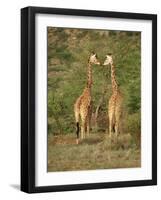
x: 113, y: 79
x: 89, y: 76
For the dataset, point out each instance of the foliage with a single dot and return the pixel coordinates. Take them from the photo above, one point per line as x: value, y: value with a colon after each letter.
x: 68, y: 52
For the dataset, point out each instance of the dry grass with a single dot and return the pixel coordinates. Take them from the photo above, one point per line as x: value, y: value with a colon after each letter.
x: 96, y: 152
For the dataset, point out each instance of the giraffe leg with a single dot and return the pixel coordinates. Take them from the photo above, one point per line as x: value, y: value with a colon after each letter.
x: 81, y: 136
x: 83, y: 115
x: 110, y: 127
x: 118, y: 114
x: 89, y: 120
x: 117, y: 128
x: 111, y: 122
x: 118, y: 125
x: 111, y: 114
x: 118, y: 120
x: 83, y: 128
x: 88, y: 127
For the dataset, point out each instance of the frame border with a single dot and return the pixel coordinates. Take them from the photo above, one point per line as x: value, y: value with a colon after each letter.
x: 28, y: 99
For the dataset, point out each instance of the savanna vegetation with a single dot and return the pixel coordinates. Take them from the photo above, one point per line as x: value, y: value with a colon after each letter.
x: 68, y: 52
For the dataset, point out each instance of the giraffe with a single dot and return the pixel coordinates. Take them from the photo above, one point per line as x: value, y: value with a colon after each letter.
x: 115, y: 101
x: 83, y: 105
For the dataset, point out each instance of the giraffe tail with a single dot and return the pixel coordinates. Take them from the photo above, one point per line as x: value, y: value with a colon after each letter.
x: 76, y: 112
x: 77, y: 132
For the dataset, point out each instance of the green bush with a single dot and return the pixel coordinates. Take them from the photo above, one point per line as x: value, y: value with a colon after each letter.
x: 134, y: 123
x: 68, y: 52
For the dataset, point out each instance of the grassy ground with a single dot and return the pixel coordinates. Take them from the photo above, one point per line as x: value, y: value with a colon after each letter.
x: 95, y: 152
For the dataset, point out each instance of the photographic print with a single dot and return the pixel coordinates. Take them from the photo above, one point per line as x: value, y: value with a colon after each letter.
x: 94, y: 99
x: 88, y: 99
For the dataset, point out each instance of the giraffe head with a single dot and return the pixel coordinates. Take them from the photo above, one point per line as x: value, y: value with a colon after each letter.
x: 108, y: 59
x: 93, y: 59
